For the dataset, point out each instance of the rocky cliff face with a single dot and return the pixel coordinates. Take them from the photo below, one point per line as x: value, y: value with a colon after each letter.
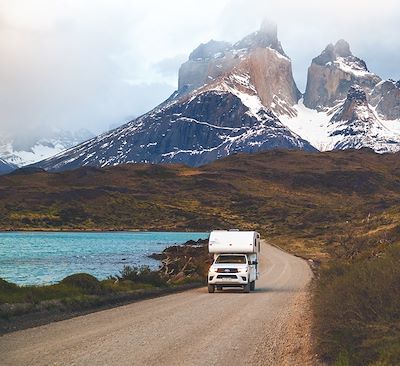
x: 386, y: 98
x: 331, y: 75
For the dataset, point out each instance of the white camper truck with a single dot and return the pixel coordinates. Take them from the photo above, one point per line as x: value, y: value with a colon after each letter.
x: 235, y: 259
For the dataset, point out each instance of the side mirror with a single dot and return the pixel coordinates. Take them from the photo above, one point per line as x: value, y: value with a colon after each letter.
x: 255, y: 262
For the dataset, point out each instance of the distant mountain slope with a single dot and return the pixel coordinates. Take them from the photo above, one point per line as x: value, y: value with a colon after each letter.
x: 32, y: 146
x: 6, y: 167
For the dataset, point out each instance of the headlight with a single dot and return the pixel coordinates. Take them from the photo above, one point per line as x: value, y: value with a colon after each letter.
x: 243, y: 270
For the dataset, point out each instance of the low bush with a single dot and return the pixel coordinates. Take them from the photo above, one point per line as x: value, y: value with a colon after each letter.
x: 357, y: 311
x: 84, y: 281
x: 142, y: 274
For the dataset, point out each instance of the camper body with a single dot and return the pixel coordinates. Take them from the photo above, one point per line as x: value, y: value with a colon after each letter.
x: 235, y: 259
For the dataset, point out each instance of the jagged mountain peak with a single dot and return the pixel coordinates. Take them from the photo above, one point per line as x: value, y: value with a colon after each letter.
x: 332, y: 73
x: 340, y: 55
x: 332, y: 51
x: 342, y: 48
x: 265, y: 37
x: 270, y: 28
x: 259, y: 55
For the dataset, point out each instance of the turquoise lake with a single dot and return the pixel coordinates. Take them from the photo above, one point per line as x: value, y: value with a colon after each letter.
x: 47, y: 257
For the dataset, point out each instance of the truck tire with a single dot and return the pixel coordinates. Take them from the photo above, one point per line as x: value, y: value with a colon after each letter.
x: 252, y: 285
x: 211, y: 289
x: 246, y: 288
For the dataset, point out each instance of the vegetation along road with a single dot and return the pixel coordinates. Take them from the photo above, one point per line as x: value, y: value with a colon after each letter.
x: 270, y: 326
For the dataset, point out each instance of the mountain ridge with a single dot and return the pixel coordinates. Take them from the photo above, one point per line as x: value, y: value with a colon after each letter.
x: 242, y: 97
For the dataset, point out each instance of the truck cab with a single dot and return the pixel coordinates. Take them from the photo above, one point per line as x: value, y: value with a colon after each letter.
x: 235, y: 260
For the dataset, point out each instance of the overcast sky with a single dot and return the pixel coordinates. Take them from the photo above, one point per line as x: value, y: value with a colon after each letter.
x: 98, y: 63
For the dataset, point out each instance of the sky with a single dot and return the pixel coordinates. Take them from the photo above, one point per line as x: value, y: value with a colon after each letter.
x: 96, y: 64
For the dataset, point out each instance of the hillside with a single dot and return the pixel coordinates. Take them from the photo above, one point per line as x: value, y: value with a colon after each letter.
x: 303, y: 200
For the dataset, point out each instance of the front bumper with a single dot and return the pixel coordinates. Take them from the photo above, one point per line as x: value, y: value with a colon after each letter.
x: 228, y: 279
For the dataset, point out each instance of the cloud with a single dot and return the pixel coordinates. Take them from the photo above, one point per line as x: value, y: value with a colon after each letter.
x: 168, y: 67
x: 94, y: 63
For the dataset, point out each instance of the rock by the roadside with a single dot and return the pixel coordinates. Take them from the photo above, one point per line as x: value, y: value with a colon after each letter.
x: 189, y: 260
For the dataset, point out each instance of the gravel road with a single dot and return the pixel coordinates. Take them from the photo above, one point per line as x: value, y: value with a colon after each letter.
x: 270, y: 326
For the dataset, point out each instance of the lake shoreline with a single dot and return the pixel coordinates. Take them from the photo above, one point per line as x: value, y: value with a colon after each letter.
x: 50, y: 230
x: 39, y: 305
x: 39, y: 258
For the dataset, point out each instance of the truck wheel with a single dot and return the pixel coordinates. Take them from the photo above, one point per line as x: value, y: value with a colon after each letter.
x: 252, y: 285
x: 246, y: 288
x: 211, y: 289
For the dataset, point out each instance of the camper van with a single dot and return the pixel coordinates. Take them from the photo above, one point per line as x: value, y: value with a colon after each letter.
x: 235, y: 259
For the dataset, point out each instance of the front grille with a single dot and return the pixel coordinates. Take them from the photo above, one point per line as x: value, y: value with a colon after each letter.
x: 226, y: 276
x: 227, y: 270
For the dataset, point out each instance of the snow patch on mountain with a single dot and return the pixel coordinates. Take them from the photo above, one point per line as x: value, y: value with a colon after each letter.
x: 311, y: 125
x: 324, y: 133
x: 352, y: 66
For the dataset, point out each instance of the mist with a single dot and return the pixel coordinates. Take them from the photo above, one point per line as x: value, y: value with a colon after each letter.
x: 94, y: 64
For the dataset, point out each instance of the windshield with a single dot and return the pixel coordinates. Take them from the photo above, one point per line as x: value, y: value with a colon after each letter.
x: 240, y: 259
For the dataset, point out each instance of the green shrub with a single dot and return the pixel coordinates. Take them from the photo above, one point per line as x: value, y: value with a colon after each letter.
x: 357, y: 311
x: 142, y: 274
x: 84, y: 281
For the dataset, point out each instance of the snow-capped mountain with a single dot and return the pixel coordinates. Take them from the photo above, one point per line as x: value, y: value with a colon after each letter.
x: 234, y: 111
x: 242, y: 97
x: 20, y: 150
x: 355, y: 125
x: 347, y: 106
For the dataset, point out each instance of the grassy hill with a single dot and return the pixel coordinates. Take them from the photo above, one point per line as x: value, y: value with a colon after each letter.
x: 302, y: 201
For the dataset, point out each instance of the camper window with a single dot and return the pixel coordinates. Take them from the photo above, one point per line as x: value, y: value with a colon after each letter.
x: 240, y: 259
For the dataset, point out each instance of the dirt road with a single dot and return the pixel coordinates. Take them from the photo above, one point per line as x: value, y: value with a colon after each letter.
x: 270, y: 326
